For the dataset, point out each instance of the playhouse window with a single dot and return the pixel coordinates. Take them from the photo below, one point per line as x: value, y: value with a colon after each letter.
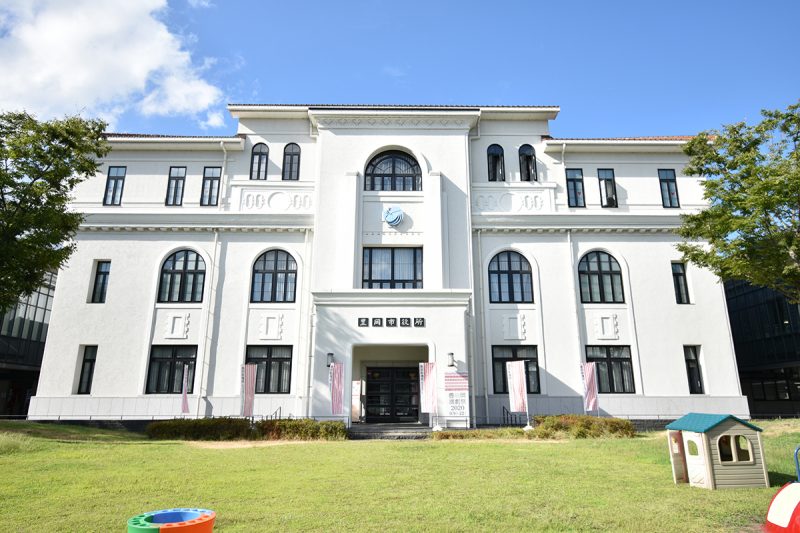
x: 692, y: 446
x: 742, y: 448
x: 734, y: 449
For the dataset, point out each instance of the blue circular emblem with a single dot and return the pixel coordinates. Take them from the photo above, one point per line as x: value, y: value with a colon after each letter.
x: 393, y: 216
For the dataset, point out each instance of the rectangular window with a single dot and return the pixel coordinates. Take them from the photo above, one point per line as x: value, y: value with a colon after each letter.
x: 167, y: 365
x: 177, y: 177
x: 87, y: 370
x: 679, y: 281
x: 608, y: 187
x: 114, y: 186
x: 273, y: 368
x: 575, y: 187
x: 392, y: 268
x: 669, y: 188
x: 101, y: 273
x: 614, y: 368
x: 503, y: 354
x: 210, y: 194
x: 692, y: 356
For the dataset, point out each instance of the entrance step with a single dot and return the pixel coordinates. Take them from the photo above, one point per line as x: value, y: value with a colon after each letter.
x: 389, y: 431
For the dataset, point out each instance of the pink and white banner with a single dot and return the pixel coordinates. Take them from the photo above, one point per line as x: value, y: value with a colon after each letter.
x: 185, y: 390
x: 248, y: 389
x: 336, y: 381
x: 427, y: 387
x: 517, y: 387
x: 589, y: 371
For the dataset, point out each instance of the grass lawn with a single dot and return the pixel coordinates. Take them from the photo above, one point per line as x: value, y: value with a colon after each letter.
x: 62, y: 478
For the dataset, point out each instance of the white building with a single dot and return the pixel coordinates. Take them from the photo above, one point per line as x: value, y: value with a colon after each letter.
x: 273, y: 247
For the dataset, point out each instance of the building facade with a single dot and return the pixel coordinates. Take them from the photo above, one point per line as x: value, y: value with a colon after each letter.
x: 379, y: 237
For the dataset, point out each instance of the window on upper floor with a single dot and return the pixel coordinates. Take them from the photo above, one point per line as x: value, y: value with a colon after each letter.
x: 167, y: 367
x: 510, y: 279
x: 87, y: 370
x: 291, y: 162
x: 504, y: 354
x: 392, y: 268
x: 273, y: 368
x: 177, y: 178
x: 497, y: 166
x: 691, y: 355
x: 527, y: 163
x: 114, y: 185
x: 608, y: 187
x: 274, y: 278
x: 183, y: 275
x: 393, y: 171
x: 210, y: 191
x: 259, y: 161
x: 614, y: 368
x: 100, y: 286
x: 679, y: 282
x: 600, y: 279
x: 669, y: 188
x: 575, y: 197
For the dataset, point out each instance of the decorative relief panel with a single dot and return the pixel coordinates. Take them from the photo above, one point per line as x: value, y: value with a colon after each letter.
x: 277, y: 201
x: 394, y: 122
x: 514, y: 327
x: 271, y: 326
x: 177, y: 326
x: 512, y: 202
x: 606, y: 327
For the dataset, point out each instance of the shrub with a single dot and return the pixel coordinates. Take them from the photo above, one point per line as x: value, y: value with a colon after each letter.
x: 485, y: 434
x: 201, y: 429
x: 581, y: 427
x: 301, y: 429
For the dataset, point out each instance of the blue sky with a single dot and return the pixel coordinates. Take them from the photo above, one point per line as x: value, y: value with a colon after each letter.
x: 616, y: 68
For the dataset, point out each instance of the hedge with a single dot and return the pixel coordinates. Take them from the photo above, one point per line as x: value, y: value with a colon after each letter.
x: 226, y: 428
x: 551, y: 427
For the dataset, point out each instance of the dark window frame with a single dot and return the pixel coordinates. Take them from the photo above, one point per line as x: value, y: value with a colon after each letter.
x: 207, y: 192
x: 533, y: 387
x: 176, y: 185
x: 601, y: 277
x: 291, y: 163
x: 262, y: 271
x: 174, y: 362
x: 608, y: 362
x: 575, y: 197
x: 266, y: 370
x: 100, y: 285
x: 259, y: 161
x: 87, y: 369
x: 694, y: 370
x: 182, y: 274
x: 397, y: 181
x: 495, y: 158
x: 115, y: 185
x: 668, y: 186
x: 512, y: 276
x: 368, y: 282
x: 607, y: 200
x: 680, y: 283
x: 527, y: 163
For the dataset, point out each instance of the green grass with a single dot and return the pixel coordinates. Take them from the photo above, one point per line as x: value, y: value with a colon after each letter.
x: 96, y: 483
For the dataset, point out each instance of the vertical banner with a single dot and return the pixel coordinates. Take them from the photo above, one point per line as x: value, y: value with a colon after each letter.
x: 185, y: 390
x: 336, y: 381
x: 248, y: 389
x: 355, y: 400
x: 427, y: 387
x: 589, y: 371
x: 517, y: 388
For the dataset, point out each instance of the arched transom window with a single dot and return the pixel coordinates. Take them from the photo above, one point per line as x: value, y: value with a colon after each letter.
x: 600, y: 279
x: 274, y: 277
x: 258, y: 162
x: 182, y: 277
x: 497, y: 166
x: 393, y: 171
x: 527, y: 163
x: 510, y: 279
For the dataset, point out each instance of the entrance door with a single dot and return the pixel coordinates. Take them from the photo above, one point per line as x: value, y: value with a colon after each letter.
x: 392, y: 394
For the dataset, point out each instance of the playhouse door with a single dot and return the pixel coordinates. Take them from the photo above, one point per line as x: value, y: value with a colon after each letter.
x: 695, y: 461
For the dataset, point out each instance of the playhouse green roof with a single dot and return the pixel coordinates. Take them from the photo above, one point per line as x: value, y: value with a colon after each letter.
x: 702, y: 422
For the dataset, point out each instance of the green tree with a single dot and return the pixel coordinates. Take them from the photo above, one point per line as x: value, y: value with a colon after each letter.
x: 40, y: 164
x: 752, y: 225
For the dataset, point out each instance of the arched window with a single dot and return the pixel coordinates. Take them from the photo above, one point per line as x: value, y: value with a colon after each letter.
x: 274, y: 277
x: 600, y: 279
x: 258, y: 163
x: 527, y: 163
x: 510, y: 279
x: 291, y: 162
x: 182, y: 278
x: 497, y: 167
x: 393, y: 171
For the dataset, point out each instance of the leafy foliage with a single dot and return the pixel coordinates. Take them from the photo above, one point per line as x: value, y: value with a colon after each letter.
x: 226, y: 428
x: 753, y: 184
x: 40, y: 164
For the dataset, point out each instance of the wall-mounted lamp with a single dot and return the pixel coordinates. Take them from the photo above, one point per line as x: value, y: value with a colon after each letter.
x: 451, y: 359
x: 330, y: 358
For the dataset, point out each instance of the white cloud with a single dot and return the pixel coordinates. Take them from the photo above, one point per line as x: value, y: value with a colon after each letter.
x: 214, y: 119
x: 99, y: 57
x: 200, y: 3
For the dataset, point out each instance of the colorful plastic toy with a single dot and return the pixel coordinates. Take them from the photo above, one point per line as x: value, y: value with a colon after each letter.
x: 169, y: 520
x: 783, y: 515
